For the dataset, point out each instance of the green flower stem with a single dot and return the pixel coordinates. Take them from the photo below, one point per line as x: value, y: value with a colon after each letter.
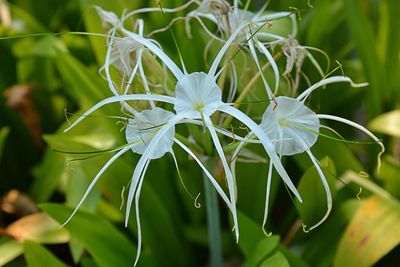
x: 213, y: 221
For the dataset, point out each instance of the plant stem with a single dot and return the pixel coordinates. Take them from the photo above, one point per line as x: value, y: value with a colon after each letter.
x: 213, y: 221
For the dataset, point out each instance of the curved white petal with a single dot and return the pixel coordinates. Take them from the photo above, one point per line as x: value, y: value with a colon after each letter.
x: 153, y: 48
x: 94, y: 181
x: 254, y: 55
x: 271, y: 60
x: 334, y: 79
x: 139, y: 242
x: 267, y: 198
x: 268, y: 146
x: 229, y: 177
x: 221, y: 52
x: 361, y: 128
x: 143, y: 159
x: 210, y: 177
x: 113, y: 99
x: 327, y: 191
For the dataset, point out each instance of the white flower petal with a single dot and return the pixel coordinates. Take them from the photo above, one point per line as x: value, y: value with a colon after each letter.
x: 209, y: 176
x: 266, y: 141
x: 143, y: 159
x: 153, y: 48
x: 139, y: 242
x: 94, y: 181
x: 144, y: 126
x: 229, y: 177
x: 334, y: 79
x: 196, y: 93
x: 281, y: 124
x: 113, y: 99
x: 361, y: 128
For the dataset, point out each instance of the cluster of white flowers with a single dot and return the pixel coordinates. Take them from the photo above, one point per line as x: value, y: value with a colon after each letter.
x: 288, y: 127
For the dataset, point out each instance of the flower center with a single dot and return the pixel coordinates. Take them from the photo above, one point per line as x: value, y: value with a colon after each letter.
x: 294, y: 125
x: 197, y: 94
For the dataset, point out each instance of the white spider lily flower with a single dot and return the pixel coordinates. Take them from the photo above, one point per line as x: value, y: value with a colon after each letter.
x: 125, y: 54
x: 197, y: 96
x: 295, y: 128
x: 229, y: 18
x: 150, y: 133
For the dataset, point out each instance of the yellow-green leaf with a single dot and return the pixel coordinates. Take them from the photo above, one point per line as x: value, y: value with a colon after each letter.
x: 371, y: 234
x: 387, y: 123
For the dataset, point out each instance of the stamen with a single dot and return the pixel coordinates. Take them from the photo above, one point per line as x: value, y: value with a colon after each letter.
x: 298, y: 12
x: 276, y: 103
x: 66, y: 117
x: 359, y: 193
x: 363, y: 174
x: 267, y: 22
x: 197, y: 205
x: 304, y: 228
x: 244, y: 128
x: 122, y: 198
x: 340, y: 66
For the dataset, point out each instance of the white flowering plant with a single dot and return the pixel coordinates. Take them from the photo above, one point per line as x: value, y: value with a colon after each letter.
x: 209, y: 132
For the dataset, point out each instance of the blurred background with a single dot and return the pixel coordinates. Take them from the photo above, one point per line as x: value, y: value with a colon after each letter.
x: 45, y: 78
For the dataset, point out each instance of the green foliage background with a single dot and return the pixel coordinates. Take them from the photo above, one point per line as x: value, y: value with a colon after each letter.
x: 61, y: 72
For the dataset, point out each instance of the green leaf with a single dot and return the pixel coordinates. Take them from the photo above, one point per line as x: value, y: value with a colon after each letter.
x: 264, y: 248
x: 47, y: 175
x: 387, y: 123
x: 9, y: 250
x: 107, y: 245
x: 321, y: 251
x: 38, y: 256
x: 87, y: 87
x: 363, y: 35
x: 390, y: 175
x: 313, y: 192
x: 371, y: 234
x: 250, y: 234
x: 3, y: 135
x: 276, y: 260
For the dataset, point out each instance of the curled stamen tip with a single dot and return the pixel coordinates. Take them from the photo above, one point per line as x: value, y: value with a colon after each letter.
x: 197, y: 205
x: 359, y: 193
x: 267, y: 234
x: 304, y: 228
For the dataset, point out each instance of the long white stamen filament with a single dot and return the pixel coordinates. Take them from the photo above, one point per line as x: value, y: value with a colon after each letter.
x: 361, y: 128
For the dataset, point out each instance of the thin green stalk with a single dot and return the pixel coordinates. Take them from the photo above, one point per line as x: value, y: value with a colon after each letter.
x: 213, y: 221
